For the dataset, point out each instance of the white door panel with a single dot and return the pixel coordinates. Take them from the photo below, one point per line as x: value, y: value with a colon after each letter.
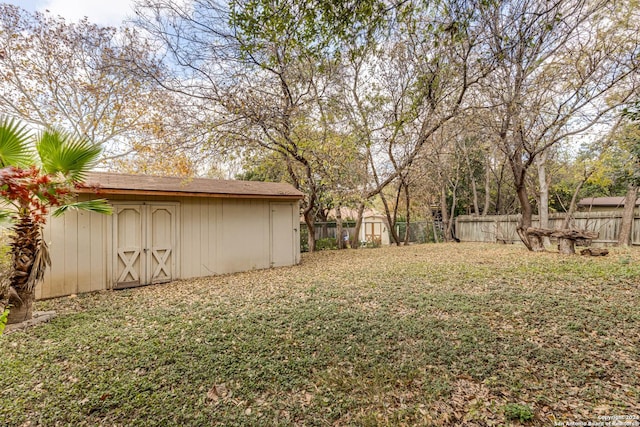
x: 145, y: 243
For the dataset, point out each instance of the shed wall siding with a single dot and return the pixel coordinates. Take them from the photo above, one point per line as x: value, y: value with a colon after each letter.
x: 78, y: 248
x: 215, y: 236
x: 244, y: 237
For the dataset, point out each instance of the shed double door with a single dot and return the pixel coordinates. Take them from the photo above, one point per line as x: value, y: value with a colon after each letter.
x: 373, y: 232
x: 144, y: 244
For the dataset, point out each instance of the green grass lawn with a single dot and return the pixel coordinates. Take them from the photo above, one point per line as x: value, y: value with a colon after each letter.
x: 439, y: 334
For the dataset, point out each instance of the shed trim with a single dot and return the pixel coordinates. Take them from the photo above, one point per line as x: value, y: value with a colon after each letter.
x: 145, y: 185
x: 104, y: 191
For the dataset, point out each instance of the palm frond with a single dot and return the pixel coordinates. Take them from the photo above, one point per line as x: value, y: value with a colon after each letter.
x: 61, y: 152
x: 14, y: 143
x: 98, y: 205
x: 41, y: 261
x: 6, y: 216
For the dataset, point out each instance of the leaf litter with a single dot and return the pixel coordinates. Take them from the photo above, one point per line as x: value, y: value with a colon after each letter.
x: 439, y: 334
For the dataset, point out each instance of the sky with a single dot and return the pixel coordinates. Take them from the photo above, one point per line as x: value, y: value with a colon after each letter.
x: 103, y: 12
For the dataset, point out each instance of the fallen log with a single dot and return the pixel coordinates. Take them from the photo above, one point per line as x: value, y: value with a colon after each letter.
x: 574, y: 234
x: 540, y: 232
x: 595, y: 252
x: 567, y: 238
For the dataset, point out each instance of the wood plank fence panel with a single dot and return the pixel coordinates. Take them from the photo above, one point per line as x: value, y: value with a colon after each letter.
x: 502, y: 228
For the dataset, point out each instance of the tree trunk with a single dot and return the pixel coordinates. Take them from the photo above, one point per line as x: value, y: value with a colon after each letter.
x: 454, y: 200
x: 543, y: 206
x: 474, y: 188
x: 21, y: 309
x: 311, y: 230
x: 499, y: 178
x: 499, y: 192
x: 339, y: 237
x: 30, y: 258
x: 487, y: 188
x: 390, y: 219
x: 573, y: 204
x: 408, y: 208
x: 355, y: 239
x: 476, y: 207
x: 532, y: 242
x: 624, y: 237
x: 519, y: 169
x: 444, y: 212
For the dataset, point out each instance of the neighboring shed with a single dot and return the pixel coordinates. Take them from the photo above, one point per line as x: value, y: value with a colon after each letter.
x: 170, y: 228
x: 374, y: 229
x: 603, y: 204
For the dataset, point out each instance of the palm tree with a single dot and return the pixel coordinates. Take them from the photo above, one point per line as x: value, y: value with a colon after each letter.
x: 38, y: 174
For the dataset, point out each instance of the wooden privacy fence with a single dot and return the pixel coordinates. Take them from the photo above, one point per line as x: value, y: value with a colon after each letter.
x: 502, y: 228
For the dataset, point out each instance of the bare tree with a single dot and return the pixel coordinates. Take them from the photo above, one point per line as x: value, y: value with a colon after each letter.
x: 561, y: 68
x: 632, y: 141
x: 75, y: 76
x: 401, y: 92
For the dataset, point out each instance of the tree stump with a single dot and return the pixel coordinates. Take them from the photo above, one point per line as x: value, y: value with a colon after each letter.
x: 566, y: 246
x: 535, y: 236
x: 567, y: 239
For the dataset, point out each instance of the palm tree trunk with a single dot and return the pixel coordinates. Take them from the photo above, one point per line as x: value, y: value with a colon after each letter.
x: 30, y: 258
x: 21, y: 308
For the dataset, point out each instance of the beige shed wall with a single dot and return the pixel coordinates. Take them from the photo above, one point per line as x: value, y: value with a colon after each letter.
x: 78, y: 249
x: 214, y: 236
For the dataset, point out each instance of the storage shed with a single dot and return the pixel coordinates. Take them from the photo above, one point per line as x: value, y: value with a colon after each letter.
x: 166, y: 228
x: 374, y: 229
x: 603, y: 204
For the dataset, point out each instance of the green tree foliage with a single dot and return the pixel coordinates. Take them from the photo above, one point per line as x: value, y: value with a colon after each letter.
x: 316, y: 27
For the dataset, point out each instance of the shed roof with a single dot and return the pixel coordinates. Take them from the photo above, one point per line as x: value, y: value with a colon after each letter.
x: 350, y: 213
x: 115, y: 183
x: 604, y: 201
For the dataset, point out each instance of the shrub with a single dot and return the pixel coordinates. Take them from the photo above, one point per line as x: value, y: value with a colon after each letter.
x: 304, y: 238
x: 328, y: 243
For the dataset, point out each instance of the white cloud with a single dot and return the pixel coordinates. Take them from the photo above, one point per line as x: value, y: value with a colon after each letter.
x: 109, y: 12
